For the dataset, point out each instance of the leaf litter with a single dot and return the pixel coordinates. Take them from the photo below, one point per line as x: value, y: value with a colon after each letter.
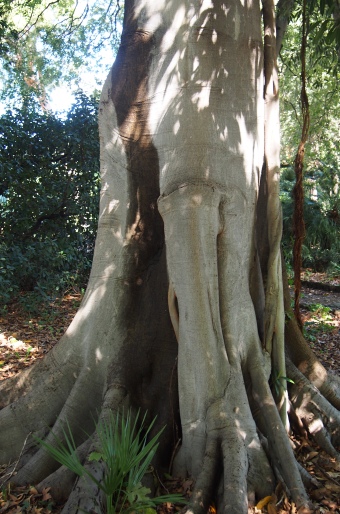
x: 25, y: 339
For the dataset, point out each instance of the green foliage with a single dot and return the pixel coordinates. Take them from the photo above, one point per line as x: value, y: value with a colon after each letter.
x: 321, y: 248
x: 279, y: 382
x: 319, y: 323
x: 126, y: 452
x: 7, y: 30
x: 320, y: 310
x: 326, y: 29
x: 322, y: 158
x: 313, y: 329
x: 323, y: 94
x: 49, y: 187
x: 44, y: 44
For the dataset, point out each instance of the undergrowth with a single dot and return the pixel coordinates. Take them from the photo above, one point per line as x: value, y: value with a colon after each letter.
x: 125, y: 451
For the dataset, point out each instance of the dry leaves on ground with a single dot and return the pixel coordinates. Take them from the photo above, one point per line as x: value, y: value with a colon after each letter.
x: 24, y: 339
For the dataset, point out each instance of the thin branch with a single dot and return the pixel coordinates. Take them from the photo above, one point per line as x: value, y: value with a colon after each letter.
x: 293, y: 106
x: 71, y: 19
x: 28, y: 27
x: 17, y: 462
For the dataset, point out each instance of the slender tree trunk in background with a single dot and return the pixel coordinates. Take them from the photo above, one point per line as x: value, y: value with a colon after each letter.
x: 298, y: 193
x: 189, y: 203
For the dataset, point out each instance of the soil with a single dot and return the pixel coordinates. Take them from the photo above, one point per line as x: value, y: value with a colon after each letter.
x: 26, y: 336
x: 312, y: 295
x: 320, y: 307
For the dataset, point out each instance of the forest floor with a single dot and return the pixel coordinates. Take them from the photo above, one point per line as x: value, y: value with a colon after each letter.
x: 27, y: 335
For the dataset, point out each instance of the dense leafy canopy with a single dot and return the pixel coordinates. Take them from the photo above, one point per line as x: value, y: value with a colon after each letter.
x: 49, y: 180
x: 49, y: 163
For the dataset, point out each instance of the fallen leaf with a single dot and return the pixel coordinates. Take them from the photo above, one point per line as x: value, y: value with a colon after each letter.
x: 4, y: 506
x: 331, y: 504
x: 311, y: 455
x: 46, y: 497
x: 317, y: 494
x: 335, y: 488
x: 262, y: 503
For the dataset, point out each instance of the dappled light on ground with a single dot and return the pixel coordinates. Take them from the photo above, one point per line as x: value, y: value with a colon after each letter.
x: 26, y: 337
x: 325, y: 494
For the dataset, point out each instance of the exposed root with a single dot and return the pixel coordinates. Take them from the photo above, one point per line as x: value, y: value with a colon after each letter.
x: 317, y: 415
x: 278, y: 442
x: 54, y: 408
x: 330, y: 389
x: 233, y: 450
x: 85, y: 495
x: 234, y: 454
x: 80, y: 493
x: 308, y: 480
x: 36, y: 378
x: 63, y: 479
x: 42, y: 463
x: 304, y: 359
x: 15, y: 387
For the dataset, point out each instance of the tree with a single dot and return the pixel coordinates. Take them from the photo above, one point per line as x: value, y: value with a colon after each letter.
x: 49, y: 191
x: 44, y: 43
x: 321, y: 244
x: 188, y: 116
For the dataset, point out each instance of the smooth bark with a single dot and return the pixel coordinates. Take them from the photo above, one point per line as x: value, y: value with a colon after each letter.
x: 183, y: 315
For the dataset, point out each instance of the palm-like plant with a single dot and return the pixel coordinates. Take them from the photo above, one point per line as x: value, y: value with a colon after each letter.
x: 126, y: 453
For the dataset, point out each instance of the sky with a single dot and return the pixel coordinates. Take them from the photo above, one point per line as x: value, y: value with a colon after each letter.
x: 90, y: 78
x: 61, y: 98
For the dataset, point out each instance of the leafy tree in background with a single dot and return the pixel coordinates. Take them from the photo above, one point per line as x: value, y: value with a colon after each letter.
x: 49, y: 165
x: 321, y: 247
x: 45, y: 43
x: 49, y: 178
x: 7, y: 31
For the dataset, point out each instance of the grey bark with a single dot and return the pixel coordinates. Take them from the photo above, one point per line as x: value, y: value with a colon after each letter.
x: 186, y: 123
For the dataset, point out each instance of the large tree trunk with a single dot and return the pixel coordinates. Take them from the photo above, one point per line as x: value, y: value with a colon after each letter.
x: 189, y: 158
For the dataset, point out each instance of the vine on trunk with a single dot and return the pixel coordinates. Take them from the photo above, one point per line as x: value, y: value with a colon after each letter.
x: 298, y: 217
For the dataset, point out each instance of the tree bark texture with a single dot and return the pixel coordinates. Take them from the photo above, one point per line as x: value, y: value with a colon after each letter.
x: 189, y: 205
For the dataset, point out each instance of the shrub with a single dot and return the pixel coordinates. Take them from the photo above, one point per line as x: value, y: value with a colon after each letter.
x: 126, y: 453
x: 49, y: 195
